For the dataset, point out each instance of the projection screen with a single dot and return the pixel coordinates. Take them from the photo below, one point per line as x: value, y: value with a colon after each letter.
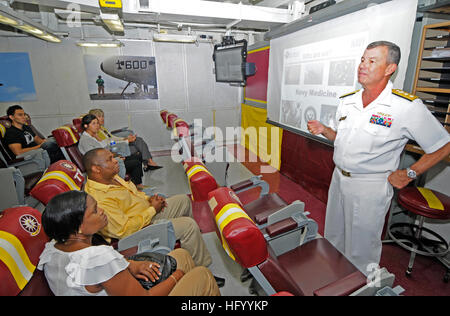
x: 311, y: 68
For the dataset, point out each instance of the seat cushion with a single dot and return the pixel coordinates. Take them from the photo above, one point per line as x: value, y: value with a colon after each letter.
x: 260, y: 209
x: 31, y: 180
x: 425, y: 202
x: 38, y: 286
x: 343, y: 287
x: 311, y: 266
x: 76, y: 157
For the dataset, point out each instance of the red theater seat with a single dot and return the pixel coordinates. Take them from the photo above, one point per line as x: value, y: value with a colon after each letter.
x: 163, y: 114
x: 260, y: 209
x: 311, y: 267
x: 201, y: 182
x: 23, y: 241
x: 181, y: 128
x: 67, y: 138
x: 171, y: 117
x: 77, y: 124
x: 61, y: 176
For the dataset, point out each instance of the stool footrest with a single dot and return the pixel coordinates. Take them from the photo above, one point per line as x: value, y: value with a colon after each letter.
x: 425, y: 251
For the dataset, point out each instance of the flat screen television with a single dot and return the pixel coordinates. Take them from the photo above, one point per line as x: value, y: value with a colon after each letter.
x: 230, y: 62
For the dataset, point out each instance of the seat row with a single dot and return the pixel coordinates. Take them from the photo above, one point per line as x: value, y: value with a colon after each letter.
x: 27, y: 169
x: 280, y: 247
x: 20, y: 174
x: 60, y: 177
x: 276, y: 242
x: 22, y: 238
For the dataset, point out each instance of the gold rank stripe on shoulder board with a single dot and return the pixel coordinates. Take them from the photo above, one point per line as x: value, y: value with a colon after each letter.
x: 404, y: 95
x: 348, y: 94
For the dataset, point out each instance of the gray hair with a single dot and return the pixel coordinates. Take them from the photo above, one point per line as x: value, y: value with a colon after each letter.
x: 97, y: 112
x: 393, y: 51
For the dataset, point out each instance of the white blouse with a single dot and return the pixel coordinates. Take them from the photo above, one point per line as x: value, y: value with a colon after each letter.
x: 68, y: 273
x: 88, y: 142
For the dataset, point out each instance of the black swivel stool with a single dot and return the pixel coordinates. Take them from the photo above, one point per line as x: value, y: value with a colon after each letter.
x: 424, y: 203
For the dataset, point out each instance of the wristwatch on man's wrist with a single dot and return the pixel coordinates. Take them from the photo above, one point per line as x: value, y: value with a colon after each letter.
x: 411, y: 173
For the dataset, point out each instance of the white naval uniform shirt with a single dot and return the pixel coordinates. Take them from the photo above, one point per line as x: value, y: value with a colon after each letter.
x: 371, y: 139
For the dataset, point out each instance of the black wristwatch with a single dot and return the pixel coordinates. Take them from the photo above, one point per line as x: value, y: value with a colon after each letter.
x: 411, y: 173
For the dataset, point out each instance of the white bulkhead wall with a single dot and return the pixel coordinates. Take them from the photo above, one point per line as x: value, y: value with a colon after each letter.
x: 186, y: 85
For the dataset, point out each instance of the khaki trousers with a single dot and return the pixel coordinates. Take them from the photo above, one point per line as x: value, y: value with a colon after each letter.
x: 179, y: 212
x: 197, y: 281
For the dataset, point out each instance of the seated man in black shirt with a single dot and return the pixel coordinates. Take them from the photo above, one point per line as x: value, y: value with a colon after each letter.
x: 20, y: 138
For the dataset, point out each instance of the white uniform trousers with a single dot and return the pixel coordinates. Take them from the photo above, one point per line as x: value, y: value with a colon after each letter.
x: 355, y: 215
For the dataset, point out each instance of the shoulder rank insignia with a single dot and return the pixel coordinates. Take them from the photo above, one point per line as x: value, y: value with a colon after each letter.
x: 404, y: 95
x: 348, y: 94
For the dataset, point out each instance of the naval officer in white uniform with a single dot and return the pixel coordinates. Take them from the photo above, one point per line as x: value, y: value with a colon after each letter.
x: 373, y: 126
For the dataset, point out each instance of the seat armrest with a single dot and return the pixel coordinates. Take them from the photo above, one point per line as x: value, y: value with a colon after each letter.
x: 30, y: 154
x: 281, y: 227
x: 129, y: 252
x: 8, y: 194
x: 241, y: 185
x: 13, y: 161
x: 251, y: 183
x: 344, y: 286
x: 261, y: 218
x: 123, y: 129
x: 158, y: 237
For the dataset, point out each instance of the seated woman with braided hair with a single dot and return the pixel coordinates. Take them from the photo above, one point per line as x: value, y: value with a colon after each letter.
x: 73, y: 266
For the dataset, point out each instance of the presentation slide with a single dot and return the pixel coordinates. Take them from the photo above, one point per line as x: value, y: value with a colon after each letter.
x: 315, y: 75
x: 311, y: 68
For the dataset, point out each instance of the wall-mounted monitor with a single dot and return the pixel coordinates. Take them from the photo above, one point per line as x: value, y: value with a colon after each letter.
x: 230, y: 60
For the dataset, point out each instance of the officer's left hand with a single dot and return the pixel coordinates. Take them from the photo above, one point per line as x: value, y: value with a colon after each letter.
x: 399, y: 179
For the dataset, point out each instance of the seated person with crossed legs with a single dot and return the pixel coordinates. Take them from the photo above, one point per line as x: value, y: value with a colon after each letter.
x: 130, y: 210
x: 90, y: 140
x: 136, y: 143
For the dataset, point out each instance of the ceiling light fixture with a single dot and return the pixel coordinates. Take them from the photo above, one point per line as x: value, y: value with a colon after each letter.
x: 8, y: 21
x: 174, y: 38
x: 18, y: 20
x: 112, y: 22
x: 100, y: 44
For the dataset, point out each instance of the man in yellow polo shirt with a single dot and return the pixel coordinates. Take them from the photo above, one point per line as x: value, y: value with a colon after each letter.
x: 130, y: 210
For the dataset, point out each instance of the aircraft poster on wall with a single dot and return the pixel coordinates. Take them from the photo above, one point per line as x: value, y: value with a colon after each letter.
x: 16, y: 78
x: 121, y: 77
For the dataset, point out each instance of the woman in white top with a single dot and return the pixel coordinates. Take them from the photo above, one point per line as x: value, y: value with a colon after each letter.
x: 90, y: 140
x: 73, y: 266
x: 135, y: 142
